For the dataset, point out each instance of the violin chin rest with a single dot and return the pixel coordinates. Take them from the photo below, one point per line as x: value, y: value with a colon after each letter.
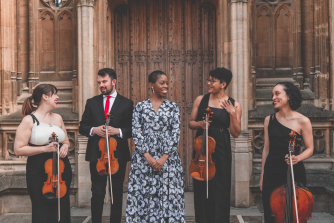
x: 197, y: 176
x: 50, y: 196
x: 103, y: 172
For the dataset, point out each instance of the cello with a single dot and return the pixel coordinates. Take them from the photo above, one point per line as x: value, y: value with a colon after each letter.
x: 285, y: 207
x: 204, y: 146
x: 107, y: 164
x: 54, y: 187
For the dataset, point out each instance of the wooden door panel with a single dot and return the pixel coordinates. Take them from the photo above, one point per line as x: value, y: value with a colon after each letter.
x: 177, y: 37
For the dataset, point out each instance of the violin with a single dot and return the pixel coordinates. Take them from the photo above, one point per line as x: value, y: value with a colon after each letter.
x: 54, y: 187
x: 290, y: 203
x: 204, y: 146
x: 107, y: 164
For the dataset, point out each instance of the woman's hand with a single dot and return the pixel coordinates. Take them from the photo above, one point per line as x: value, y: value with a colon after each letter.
x: 63, y: 151
x: 161, y: 161
x: 203, y: 125
x: 227, y: 105
x: 52, y: 147
x: 261, y: 182
x: 295, y: 159
x: 150, y: 160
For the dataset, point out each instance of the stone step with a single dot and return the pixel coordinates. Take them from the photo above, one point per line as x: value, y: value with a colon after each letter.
x: 65, y: 99
x: 62, y: 86
x: 269, y: 83
x: 264, y: 95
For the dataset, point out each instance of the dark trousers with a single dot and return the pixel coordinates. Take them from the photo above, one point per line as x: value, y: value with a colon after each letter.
x: 99, y: 190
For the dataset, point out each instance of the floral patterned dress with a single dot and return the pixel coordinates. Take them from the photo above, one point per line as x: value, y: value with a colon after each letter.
x: 155, y: 196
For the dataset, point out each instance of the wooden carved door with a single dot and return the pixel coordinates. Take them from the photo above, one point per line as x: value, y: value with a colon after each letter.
x: 177, y: 37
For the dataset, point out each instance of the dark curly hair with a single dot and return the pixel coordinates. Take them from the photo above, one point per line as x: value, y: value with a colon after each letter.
x: 222, y: 74
x: 295, y: 97
x: 153, y: 77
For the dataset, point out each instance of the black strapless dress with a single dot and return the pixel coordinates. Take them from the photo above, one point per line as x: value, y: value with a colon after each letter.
x: 275, y: 168
x: 43, y: 209
x: 217, y: 207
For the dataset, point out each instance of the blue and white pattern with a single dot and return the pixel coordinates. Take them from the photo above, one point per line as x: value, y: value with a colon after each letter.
x: 155, y: 196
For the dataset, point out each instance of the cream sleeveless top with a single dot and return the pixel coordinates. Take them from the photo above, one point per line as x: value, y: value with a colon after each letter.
x: 40, y: 133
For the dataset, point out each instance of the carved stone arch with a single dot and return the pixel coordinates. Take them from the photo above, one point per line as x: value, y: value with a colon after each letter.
x: 213, y: 3
x: 284, y: 47
x: 263, y: 7
x: 208, y: 5
x: 47, y: 3
x: 121, y: 7
x: 278, y: 10
x: 263, y: 37
x: 67, y: 12
x: 114, y: 4
x: 47, y: 12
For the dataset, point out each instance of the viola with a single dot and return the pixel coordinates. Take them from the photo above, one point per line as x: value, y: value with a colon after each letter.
x: 290, y: 203
x: 107, y: 164
x: 54, y: 187
x: 204, y: 146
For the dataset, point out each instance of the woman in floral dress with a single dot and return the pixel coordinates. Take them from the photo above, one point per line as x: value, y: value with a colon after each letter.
x: 156, y: 186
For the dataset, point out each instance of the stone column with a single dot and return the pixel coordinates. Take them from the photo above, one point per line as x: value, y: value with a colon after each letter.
x: 331, y: 22
x: 86, y: 80
x: 23, y: 44
x: 8, y: 49
x: 241, y: 147
x: 33, y: 59
x: 297, y: 41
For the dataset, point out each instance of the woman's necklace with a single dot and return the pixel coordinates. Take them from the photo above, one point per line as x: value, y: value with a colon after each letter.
x: 49, y: 120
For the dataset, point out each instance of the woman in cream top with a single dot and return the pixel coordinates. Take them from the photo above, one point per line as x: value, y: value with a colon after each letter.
x: 32, y: 140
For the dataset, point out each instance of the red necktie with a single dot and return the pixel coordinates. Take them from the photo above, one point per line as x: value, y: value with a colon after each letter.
x: 106, y: 108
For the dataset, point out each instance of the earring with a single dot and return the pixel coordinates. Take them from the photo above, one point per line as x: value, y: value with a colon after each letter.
x: 152, y: 90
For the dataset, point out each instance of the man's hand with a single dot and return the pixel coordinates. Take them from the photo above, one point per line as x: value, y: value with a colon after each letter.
x: 100, y: 131
x: 112, y: 131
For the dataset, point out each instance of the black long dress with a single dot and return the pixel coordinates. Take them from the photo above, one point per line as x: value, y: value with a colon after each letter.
x: 43, y: 209
x: 217, y: 207
x: 275, y: 168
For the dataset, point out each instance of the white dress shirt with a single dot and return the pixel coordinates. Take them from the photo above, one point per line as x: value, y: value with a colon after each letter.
x: 111, y: 102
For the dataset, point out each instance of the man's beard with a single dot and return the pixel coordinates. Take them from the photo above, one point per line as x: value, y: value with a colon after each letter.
x: 108, y: 92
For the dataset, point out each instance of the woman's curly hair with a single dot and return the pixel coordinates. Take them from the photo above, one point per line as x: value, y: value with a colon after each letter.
x: 295, y: 97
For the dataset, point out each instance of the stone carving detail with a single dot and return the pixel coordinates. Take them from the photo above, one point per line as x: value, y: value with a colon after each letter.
x: 189, y: 107
x: 51, y: 4
x: 123, y: 56
x: 258, y: 142
x: 273, y: 3
x: 47, y: 13
x: 319, y: 142
x: 10, y: 143
x: 174, y: 56
x: 156, y: 56
x: 71, y: 149
x: 208, y: 56
x: 191, y: 56
x: 140, y: 56
x: 86, y: 2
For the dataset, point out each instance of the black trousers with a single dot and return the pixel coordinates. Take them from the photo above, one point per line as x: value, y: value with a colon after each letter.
x: 99, y: 190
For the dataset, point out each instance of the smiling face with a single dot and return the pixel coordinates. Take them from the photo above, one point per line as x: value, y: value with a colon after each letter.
x: 51, y: 100
x: 106, y: 85
x: 160, y: 87
x: 280, y: 98
x: 214, y: 85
